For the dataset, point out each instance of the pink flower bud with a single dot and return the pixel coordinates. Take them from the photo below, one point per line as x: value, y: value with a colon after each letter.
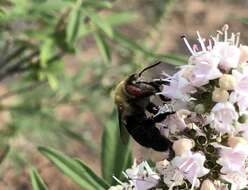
x: 220, y: 95
x: 243, y: 54
x: 182, y: 146
x: 227, y: 82
x: 207, y: 185
x: 234, y: 141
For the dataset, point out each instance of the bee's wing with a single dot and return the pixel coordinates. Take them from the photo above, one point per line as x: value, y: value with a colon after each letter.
x: 122, y: 125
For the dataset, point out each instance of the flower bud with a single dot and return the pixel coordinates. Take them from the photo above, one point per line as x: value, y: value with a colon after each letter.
x: 234, y: 141
x: 117, y: 187
x: 162, y: 165
x: 227, y: 82
x: 243, y: 118
x: 200, y: 108
x: 182, y: 146
x: 243, y: 54
x: 220, y: 95
x: 207, y: 185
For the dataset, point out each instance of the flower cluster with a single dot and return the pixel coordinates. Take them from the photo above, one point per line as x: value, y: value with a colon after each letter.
x: 209, y: 128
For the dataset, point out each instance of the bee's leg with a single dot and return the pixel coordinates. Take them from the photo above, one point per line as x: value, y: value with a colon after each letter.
x: 160, y: 117
x: 164, y: 98
x: 152, y: 108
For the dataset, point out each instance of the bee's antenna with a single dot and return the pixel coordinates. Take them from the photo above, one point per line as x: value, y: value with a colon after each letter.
x: 149, y: 67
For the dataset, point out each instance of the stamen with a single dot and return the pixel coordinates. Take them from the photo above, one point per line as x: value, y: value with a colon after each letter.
x: 232, y: 39
x: 117, y: 180
x: 172, y: 185
x: 214, y: 39
x: 237, y: 39
x: 193, y: 183
x: 225, y: 29
x: 210, y: 46
x: 148, y: 169
x: 187, y: 44
x: 124, y: 173
x: 201, y: 41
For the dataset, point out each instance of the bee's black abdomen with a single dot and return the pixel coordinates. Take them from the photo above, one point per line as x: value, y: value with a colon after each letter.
x: 146, y: 134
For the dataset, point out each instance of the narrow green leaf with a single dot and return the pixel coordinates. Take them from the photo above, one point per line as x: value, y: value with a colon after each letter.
x: 124, y: 40
x: 170, y: 58
x: 103, y: 46
x: 73, y: 24
x: 116, y: 156
x: 46, y: 52
x: 4, y: 150
x: 97, y: 4
x: 36, y: 180
x: 244, y: 20
x: 100, y: 22
x: 52, y: 81
x: 72, y: 169
x: 93, y: 175
x: 121, y: 18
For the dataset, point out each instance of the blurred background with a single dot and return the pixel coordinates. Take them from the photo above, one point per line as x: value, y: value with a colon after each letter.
x: 60, y: 61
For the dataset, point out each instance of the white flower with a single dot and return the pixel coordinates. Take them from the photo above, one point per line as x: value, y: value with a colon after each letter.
x: 243, y: 54
x: 179, y: 87
x: 142, y: 176
x: 229, y: 55
x: 191, y: 167
x: 241, y: 100
x: 242, y: 80
x: 175, y: 122
x: 203, y: 69
x: 172, y: 176
x: 224, y: 114
x: 237, y: 179
x: 233, y: 159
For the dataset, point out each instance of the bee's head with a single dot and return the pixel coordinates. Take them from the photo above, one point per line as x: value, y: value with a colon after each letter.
x: 137, y: 88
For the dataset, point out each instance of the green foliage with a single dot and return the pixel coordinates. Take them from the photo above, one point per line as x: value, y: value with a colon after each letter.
x: 75, y: 169
x: 116, y: 156
x: 73, y: 24
x: 35, y: 37
x: 36, y: 180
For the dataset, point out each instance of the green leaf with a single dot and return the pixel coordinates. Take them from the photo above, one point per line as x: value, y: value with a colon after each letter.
x: 36, y: 180
x: 130, y: 44
x: 124, y: 40
x: 100, y: 22
x: 4, y: 150
x: 173, y: 59
x: 103, y: 46
x: 93, y: 175
x: 121, y: 18
x: 73, y: 169
x: 46, y: 52
x: 244, y: 20
x: 116, y: 156
x: 97, y: 4
x: 52, y: 81
x: 73, y: 24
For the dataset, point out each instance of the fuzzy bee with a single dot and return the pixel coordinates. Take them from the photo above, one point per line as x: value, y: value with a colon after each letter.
x: 133, y: 100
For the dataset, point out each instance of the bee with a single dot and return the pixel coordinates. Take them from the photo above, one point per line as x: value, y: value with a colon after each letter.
x: 133, y: 100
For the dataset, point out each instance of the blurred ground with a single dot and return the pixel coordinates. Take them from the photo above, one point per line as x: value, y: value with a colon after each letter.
x: 185, y: 17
